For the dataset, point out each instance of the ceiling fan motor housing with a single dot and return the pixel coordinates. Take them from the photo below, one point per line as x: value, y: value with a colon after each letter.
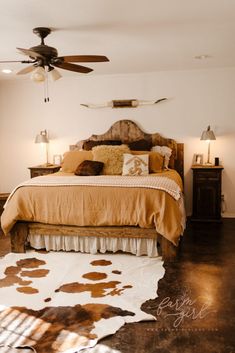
x: 45, y: 50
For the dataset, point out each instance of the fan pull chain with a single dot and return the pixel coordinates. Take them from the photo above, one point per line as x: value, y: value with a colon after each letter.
x: 46, y: 89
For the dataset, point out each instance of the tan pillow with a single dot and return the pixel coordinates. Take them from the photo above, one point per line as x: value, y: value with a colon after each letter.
x: 156, y: 160
x: 135, y: 164
x: 72, y: 159
x: 111, y: 156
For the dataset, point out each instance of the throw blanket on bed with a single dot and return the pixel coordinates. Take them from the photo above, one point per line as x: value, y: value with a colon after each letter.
x: 152, y: 182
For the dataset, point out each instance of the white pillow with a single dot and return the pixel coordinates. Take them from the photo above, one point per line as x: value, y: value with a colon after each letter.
x: 165, y: 152
x: 135, y: 164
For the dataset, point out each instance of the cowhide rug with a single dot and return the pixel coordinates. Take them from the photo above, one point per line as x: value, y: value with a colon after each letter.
x: 66, y: 302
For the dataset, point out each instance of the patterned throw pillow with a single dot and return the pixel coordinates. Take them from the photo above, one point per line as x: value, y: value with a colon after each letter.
x: 135, y: 164
x: 88, y: 168
x: 156, y: 160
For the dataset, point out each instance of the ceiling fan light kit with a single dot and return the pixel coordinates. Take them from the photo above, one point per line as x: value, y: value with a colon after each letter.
x: 55, y: 75
x: 38, y: 75
x: 44, y: 59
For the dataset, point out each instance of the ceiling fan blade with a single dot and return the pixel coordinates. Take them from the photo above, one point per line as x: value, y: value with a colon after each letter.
x: 73, y: 67
x: 26, y: 70
x: 30, y: 53
x: 13, y: 61
x: 84, y: 58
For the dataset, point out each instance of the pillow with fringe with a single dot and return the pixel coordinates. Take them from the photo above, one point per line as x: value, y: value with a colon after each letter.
x: 165, y: 152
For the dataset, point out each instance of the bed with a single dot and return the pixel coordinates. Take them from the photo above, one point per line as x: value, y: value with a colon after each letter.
x: 72, y: 230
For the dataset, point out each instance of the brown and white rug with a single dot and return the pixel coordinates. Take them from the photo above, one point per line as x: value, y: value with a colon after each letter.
x: 66, y: 302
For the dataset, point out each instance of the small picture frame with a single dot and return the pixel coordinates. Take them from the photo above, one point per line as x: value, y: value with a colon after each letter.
x: 57, y: 159
x: 198, y: 159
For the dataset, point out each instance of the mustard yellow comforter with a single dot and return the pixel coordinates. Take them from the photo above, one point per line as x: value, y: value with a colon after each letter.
x: 97, y: 206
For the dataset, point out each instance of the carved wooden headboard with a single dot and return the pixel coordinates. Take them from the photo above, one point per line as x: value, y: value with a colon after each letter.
x: 128, y: 131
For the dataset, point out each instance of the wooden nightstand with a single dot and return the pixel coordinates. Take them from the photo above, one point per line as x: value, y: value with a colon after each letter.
x: 43, y: 170
x: 207, y: 193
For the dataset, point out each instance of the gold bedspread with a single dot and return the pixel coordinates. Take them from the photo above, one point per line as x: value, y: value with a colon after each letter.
x: 97, y: 206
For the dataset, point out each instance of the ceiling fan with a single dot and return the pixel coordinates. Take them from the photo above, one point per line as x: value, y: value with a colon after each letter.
x: 46, y: 57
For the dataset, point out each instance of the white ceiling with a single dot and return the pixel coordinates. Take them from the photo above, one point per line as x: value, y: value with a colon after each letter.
x: 136, y: 35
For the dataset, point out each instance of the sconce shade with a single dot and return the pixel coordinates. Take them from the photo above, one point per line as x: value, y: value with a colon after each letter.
x: 42, y: 137
x: 208, y: 134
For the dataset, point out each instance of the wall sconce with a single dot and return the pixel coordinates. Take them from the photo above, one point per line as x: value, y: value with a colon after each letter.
x: 208, y: 135
x: 43, y: 139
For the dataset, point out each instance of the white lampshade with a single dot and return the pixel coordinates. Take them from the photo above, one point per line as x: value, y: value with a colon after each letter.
x: 55, y: 75
x: 208, y: 134
x: 42, y: 137
x: 38, y: 75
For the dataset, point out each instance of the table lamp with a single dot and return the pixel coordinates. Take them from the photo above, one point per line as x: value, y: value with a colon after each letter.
x: 43, y: 139
x: 208, y: 135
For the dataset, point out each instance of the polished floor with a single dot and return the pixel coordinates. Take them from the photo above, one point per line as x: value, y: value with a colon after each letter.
x: 195, y: 307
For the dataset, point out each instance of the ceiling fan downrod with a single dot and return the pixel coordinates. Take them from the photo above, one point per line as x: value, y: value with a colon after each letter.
x: 42, y: 32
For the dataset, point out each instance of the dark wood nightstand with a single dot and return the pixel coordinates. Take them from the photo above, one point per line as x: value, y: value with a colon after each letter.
x: 39, y: 170
x: 207, y: 193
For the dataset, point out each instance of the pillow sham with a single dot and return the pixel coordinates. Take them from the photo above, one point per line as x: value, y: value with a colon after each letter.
x: 135, y: 164
x: 164, y: 151
x: 88, y: 145
x: 88, y: 168
x: 156, y: 160
x: 140, y: 145
x: 73, y: 158
x: 111, y: 156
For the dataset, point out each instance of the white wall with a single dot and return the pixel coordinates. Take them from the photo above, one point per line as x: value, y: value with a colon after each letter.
x: 196, y: 99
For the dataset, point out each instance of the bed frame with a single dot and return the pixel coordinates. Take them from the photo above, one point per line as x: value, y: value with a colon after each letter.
x: 126, y: 131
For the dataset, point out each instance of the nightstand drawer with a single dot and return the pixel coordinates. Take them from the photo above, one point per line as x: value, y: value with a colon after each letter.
x: 43, y: 170
x: 210, y: 175
x: 36, y: 173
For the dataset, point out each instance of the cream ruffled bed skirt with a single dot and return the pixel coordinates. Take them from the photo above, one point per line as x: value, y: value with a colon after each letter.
x: 94, y: 245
